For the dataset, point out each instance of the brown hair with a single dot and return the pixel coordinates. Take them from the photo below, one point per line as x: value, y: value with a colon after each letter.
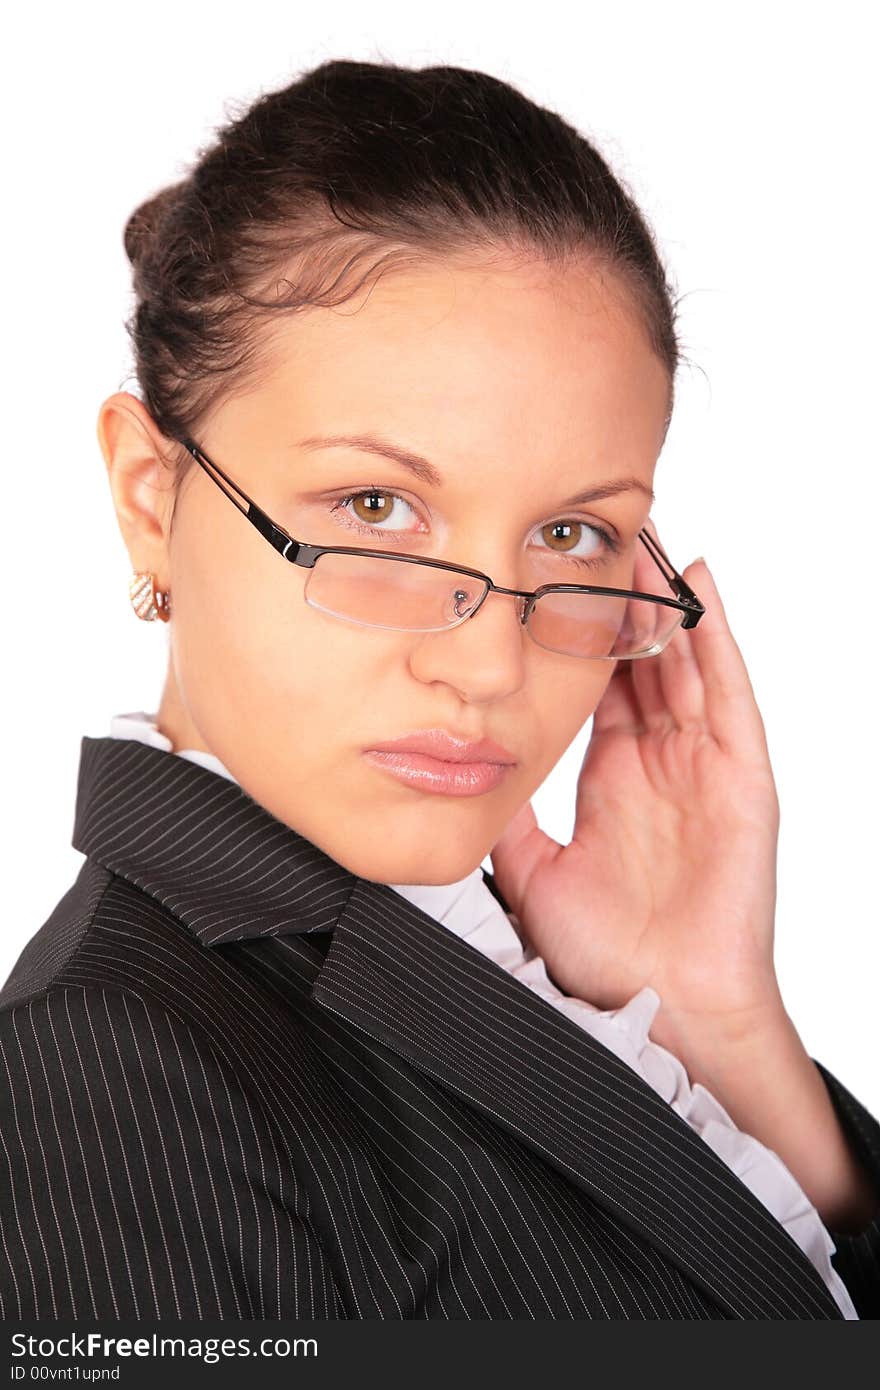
x: 351, y: 169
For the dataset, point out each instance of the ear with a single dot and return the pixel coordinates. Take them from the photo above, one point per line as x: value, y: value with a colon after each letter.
x: 139, y: 462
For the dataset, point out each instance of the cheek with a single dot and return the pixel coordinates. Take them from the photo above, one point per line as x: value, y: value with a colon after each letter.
x: 266, y: 677
x: 565, y: 704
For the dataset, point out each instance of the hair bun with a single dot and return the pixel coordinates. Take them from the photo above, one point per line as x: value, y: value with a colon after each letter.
x: 145, y: 221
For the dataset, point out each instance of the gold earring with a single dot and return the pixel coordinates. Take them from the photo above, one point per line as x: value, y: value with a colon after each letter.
x: 147, y: 601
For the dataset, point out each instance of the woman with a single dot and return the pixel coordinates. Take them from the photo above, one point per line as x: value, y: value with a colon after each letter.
x: 283, y: 1050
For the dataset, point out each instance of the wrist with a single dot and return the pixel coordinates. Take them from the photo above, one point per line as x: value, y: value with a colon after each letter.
x: 712, y: 1037
x: 753, y: 1061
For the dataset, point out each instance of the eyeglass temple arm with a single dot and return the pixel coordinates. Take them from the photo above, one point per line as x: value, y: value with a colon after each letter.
x: 682, y: 589
x: 255, y: 515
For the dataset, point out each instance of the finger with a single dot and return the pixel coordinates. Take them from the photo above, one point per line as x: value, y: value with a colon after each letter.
x: 679, y: 672
x: 651, y: 699
x: 516, y: 851
x: 732, y: 713
x: 666, y: 690
x: 523, y: 824
x: 650, y: 702
x: 667, y: 685
x: 618, y: 709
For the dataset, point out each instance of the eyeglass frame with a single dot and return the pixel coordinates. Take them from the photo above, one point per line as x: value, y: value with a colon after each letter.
x: 306, y: 555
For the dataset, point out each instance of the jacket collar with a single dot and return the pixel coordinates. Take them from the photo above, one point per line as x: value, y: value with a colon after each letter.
x: 223, y: 864
x: 230, y: 871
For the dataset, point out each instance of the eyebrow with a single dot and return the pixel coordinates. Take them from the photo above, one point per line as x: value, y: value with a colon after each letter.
x: 427, y: 473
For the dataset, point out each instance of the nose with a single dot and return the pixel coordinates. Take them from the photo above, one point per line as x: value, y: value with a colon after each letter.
x: 482, y: 657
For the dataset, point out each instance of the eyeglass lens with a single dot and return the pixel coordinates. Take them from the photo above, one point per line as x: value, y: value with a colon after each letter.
x: 396, y: 594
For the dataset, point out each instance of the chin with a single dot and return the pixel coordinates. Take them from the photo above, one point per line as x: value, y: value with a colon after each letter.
x: 385, y: 862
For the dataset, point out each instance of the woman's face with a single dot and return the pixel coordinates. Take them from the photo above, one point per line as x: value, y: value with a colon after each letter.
x: 520, y: 387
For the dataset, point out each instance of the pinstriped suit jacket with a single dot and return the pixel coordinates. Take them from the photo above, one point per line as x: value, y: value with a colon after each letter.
x: 238, y: 1081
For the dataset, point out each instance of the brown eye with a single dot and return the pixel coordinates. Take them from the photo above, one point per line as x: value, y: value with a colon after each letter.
x: 566, y: 532
x: 377, y: 506
x: 373, y: 511
x: 561, y: 538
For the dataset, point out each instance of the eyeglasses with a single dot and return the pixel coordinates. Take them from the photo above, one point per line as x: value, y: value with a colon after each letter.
x: 412, y: 593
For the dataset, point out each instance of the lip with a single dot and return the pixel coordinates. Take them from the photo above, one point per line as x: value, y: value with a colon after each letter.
x: 442, y: 746
x: 438, y: 775
x: 434, y: 760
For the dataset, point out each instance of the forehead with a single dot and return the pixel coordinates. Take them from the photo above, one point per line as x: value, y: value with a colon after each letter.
x: 523, y: 352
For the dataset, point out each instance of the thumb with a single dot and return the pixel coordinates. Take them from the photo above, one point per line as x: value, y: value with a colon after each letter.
x: 517, y: 852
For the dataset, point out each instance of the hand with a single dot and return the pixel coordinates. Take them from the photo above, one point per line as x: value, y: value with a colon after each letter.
x: 670, y: 876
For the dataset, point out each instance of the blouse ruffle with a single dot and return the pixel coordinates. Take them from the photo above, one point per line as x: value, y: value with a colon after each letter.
x: 625, y: 1032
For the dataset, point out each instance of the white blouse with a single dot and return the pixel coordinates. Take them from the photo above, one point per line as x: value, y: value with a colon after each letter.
x: 470, y: 910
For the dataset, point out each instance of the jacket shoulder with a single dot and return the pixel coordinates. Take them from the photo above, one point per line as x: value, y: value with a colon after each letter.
x: 88, y: 937
x: 142, y: 1176
x: 48, y: 952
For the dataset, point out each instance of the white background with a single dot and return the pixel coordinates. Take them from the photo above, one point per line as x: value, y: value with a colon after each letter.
x: 748, y: 135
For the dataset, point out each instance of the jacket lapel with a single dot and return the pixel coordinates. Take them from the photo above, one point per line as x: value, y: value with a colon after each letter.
x: 420, y: 989
x: 231, y: 872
